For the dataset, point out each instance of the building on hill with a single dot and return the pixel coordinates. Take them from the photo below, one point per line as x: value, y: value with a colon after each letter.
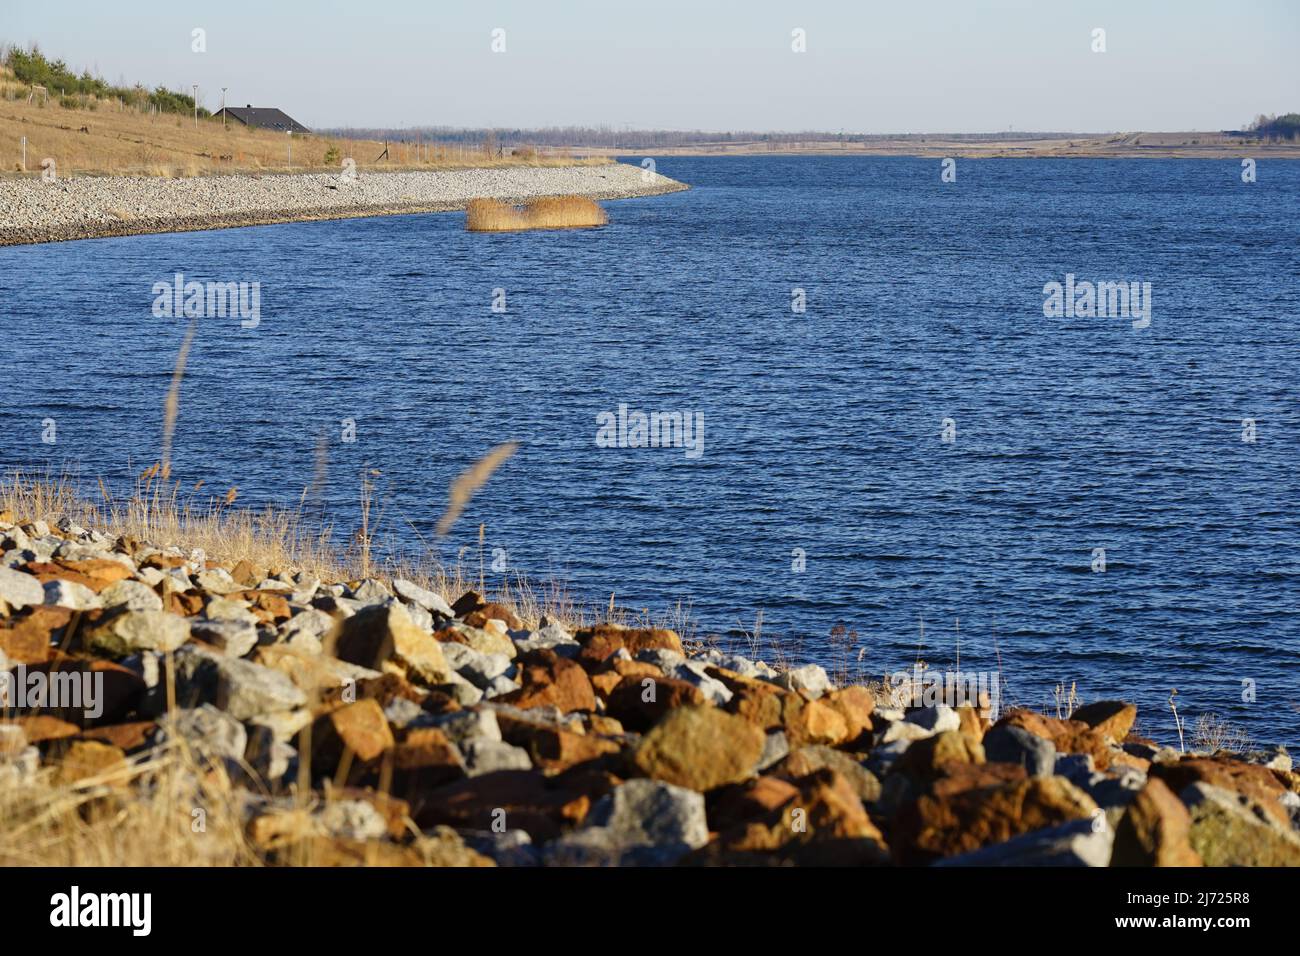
x: 262, y: 117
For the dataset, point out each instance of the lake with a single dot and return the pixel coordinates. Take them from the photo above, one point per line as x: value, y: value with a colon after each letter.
x: 896, y: 437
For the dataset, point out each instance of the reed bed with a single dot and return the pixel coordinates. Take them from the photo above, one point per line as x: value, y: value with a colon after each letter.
x: 549, y: 212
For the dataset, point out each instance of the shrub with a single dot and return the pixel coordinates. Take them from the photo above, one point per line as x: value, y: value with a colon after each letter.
x: 550, y: 212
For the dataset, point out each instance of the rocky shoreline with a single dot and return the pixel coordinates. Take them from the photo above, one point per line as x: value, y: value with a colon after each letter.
x: 89, y: 207
x: 372, y: 722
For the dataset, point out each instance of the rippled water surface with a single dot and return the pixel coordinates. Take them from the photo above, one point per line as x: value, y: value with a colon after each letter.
x: 822, y: 429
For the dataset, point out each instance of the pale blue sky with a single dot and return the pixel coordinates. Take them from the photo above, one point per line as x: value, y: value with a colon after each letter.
x: 902, y: 66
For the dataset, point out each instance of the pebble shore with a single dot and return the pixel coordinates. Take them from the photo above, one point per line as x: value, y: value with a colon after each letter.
x: 373, y: 722
x: 34, y: 211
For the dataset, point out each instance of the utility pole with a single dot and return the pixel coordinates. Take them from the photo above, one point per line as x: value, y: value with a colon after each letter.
x: 24, y: 154
x: 196, y: 105
x: 223, y: 107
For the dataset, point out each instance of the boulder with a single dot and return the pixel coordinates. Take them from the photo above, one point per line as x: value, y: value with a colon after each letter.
x: 1113, y: 719
x: 1077, y: 843
x: 1155, y: 830
x: 699, y: 748
x: 126, y: 632
x: 1230, y: 828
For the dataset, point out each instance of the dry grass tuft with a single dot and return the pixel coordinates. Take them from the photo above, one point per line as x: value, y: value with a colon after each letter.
x: 470, y: 481
x: 173, y: 808
x: 549, y: 212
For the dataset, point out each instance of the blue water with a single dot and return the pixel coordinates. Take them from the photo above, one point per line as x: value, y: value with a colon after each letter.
x: 822, y: 429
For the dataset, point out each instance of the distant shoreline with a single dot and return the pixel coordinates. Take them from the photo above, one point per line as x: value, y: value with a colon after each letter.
x: 1129, y: 146
x: 93, y: 207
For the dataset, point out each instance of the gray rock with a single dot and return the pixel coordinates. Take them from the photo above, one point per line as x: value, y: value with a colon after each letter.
x: 694, y: 672
x: 132, y: 595
x: 776, y: 746
x: 511, y: 848
x: 241, y: 688
x: 936, y: 718
x: 217, y: 581
x: 641, y: 822
x: 370, y: 591
x: 1076, y: 768
x: 20, y: 769
x: 1007, y: 744
x: 207, y: 730
x: 70, y: 594
x: 500, y: 686
x: 463, y: 726
x: 129, y: 631
x: 233, y: 637
x: 307, y: 630
x: 811, y: 680
x: 18, y: 589
x: 403, y: 713
x: 885, y: 755
x: 489, y: 756
x: 271, y: 759
x: 412, y: 593
x: 662, y: 658
x: 1077, y: 843
x: 228, y: 609
x: 351, y: 820
x: 464, y: 693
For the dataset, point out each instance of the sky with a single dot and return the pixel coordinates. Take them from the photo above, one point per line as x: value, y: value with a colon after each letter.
x: 906, y: 66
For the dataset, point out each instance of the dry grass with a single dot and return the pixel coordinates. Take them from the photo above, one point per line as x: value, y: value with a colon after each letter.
x: 1217, y: 735
x: 142, y: 813
x: 110, y: 137
x: 550, y: 212
x: 278, y: 539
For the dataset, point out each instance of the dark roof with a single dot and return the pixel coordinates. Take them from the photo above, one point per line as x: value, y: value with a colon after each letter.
x: 264, y: 117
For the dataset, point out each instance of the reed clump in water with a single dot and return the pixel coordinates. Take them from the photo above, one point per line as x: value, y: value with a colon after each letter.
x: 549, y: 212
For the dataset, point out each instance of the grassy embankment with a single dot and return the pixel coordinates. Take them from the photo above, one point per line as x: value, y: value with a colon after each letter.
x: 88, y: 135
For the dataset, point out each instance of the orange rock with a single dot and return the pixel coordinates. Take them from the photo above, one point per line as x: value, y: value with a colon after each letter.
x: 924, y: 758
x: 743, y: 802
x: 635, y: 639
x: 1252, y: 780
x: 247, y: 574
x: 493, y: 611
x: 84, y: 759
x: 699, y: 748
x: 1155, y: 830
x: 605, y: 683
x: 128, y: 737
x: 959, y: 776
x: 550, y: 680
x: 358, y: 727
x: 425, y: 759
x: 824, y: 823
x: 1113, y: 719
x: 96, y: 574
x: 42, y: 727
x: 855, y: 704
x: 641, y: 702
x: 515, y: 799
x: 933, y: 827
x: 816, y: 723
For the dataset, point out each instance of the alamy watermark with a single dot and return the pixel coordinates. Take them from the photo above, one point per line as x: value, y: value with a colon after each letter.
x: 921, y: 687
x: 638, y: 429
x: 208, y: 300
x: 57, y: 690
x: 1105, y: 300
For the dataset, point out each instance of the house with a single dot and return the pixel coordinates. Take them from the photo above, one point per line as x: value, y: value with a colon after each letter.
x: 262, y: 117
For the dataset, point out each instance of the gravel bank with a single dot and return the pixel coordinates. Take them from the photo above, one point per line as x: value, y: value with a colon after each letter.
x: 34, y: 211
